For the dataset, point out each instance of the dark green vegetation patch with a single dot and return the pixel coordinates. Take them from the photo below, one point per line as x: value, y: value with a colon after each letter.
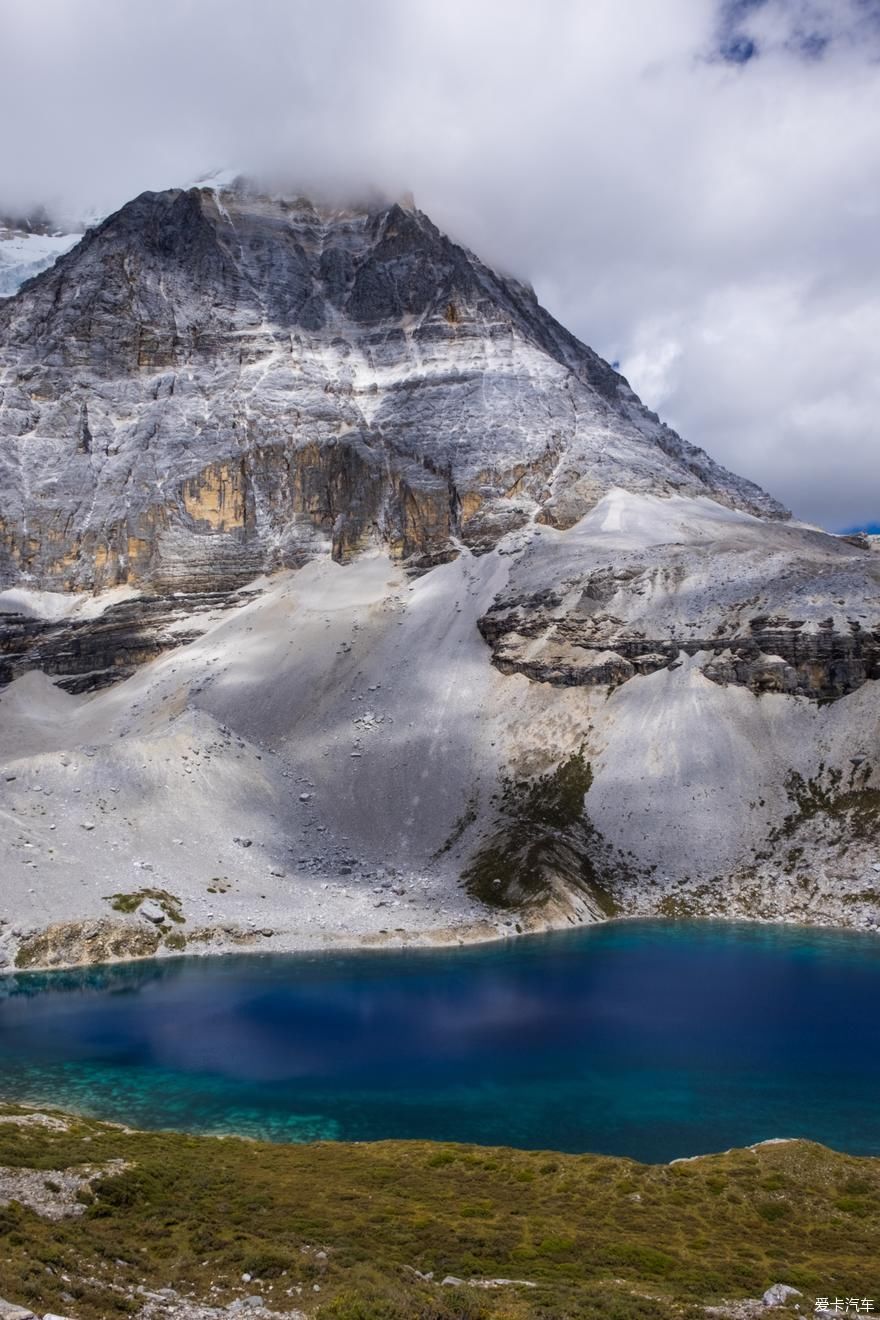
x: 854, y: 807
x: 601, y: 1238
x: 130, y: 902
x: 544, y: 846
x: 844, y: 810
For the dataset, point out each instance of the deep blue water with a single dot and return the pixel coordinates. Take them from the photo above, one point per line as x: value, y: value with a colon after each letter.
x: 649, y: 1039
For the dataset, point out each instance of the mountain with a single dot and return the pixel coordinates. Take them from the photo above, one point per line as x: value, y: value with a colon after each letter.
x: 343, y: 585
x: 294, y: 380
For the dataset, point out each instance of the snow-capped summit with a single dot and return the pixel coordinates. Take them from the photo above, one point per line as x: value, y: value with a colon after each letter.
x: 28, y: 245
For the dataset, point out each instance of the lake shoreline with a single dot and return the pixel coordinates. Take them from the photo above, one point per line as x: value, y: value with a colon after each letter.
x: 86, y: 935
x: 47, y: 1114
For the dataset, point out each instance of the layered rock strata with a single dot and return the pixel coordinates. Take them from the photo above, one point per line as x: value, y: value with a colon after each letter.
x: 90, y: 653
x: 775, y: 608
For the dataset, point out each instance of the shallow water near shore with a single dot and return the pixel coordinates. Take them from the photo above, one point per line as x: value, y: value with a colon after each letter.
x: 650, y: 1039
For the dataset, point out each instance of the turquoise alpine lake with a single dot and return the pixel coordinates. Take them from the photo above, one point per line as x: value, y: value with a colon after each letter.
x: 650, y: 1039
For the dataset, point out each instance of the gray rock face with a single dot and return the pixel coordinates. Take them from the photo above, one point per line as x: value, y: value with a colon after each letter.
x: 93, y: 652
x: 214, y: 384
x: 774, y: 607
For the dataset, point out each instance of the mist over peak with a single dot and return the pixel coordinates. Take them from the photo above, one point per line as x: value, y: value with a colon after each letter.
x: 646, y: 171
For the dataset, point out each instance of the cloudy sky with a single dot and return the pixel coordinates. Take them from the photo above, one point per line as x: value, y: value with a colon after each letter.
x: 692, y: 186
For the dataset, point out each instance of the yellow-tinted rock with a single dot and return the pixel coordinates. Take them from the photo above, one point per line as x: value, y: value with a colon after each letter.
x: 217, y: 496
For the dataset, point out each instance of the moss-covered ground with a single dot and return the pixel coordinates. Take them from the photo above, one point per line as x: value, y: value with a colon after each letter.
x: 339, y: 1230
x: 130, y: 902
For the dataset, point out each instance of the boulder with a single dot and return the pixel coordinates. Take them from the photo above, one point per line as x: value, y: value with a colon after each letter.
x: 9, y: 1311
x: 150, y: 910
x: 779, y: 1294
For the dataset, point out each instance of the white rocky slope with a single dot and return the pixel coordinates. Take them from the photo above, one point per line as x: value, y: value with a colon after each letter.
x: 617, y: 683
x: 323, y: 763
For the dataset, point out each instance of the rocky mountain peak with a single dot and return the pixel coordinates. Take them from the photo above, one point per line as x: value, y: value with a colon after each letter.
x: 215, y: 382
x: 530, y: 648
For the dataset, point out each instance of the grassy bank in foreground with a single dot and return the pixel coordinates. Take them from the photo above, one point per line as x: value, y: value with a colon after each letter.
x: 339, y: 1230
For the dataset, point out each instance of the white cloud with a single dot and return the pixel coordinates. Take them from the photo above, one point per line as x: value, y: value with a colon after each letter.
x: 784, y: 381
x: 711, y: 225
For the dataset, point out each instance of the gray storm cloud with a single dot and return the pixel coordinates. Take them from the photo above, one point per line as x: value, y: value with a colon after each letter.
x: 707, y: 222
